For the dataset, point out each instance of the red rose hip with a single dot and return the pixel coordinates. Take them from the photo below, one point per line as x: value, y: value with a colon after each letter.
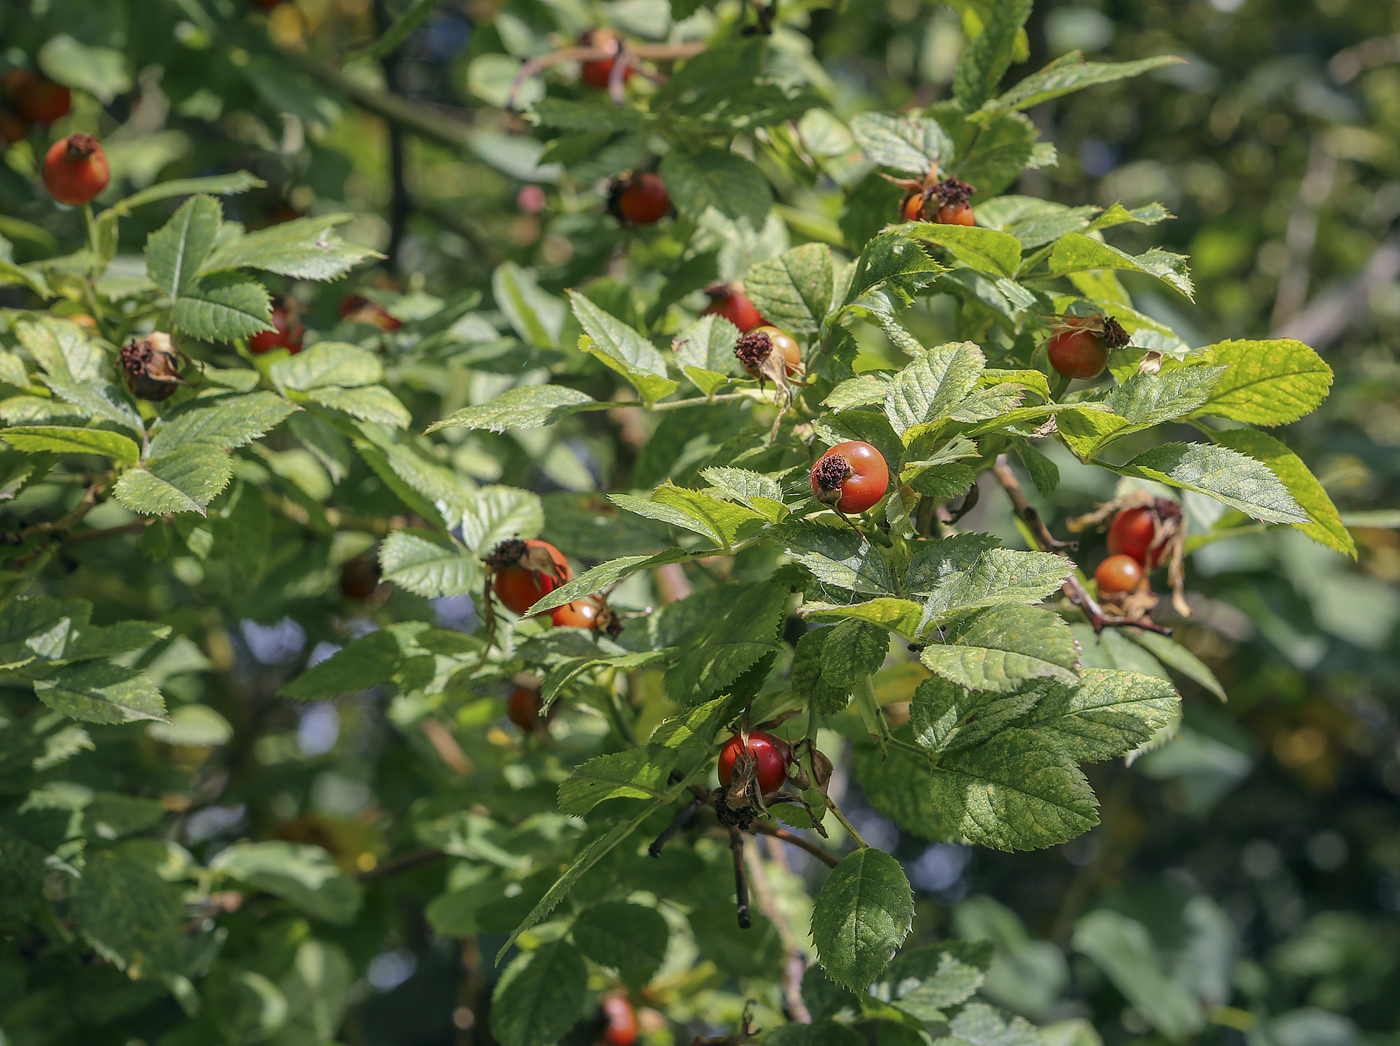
x: 42, y: 101
x: 729, y: 301
x: 526, y: 572
x: 850, y: 477
x: 75, y: 169
x: 579, y: 614
x: 1119, y: 575
x: 770, y: 755
x: 644, y: 200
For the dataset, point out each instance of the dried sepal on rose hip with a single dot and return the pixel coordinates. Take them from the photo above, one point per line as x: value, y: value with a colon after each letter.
x: 952, y: 196
x: 769, y: 354
x: 151, y: 367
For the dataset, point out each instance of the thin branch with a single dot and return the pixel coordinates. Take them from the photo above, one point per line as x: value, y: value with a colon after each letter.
x: 741, y: 882
x: 796, y: 963
x: 91, y: 498
x: 824, y: 856
x: 98, y: 533
x: 1073, y: 587
x: 398, y: 865
x: 411, y: 116
x: 680, y: 821
x: 399, y: 205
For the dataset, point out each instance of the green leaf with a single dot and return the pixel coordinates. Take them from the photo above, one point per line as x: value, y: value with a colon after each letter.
x: 369, y: 403
x: 525, y: 407
x: 987, y: 251
x: 1150, y: 399
x: 902, y: 143
x: 1177, y: 657
x: 1002, y: 648
x: 734, y: 635
x: 706, y: 177
x: 195, y: 726
x: 837, y: 555
x: 224, y: 422
x: 100, y: 692
x: 989, y: 55
x: 946, y: 717
x: 128, y: 913
x: 761, y: 493
x: 1016, y: 790
x: 980, y: 1025
x: 923, y: 981
x: 363, y: 663
x: 861, y: 916
x: 623, y: 349
x: 536, y: 315
x: 994, y: 155
x: 175, y: 251
x: 1076, y: 252
x: 304, y: 876
x: 89, y: 641
x: 95, y: 397
x: 604, y: 576
x: 428, y: 567
x: 926, y: 391
x: 584, y: 859
x: 1122, y: 948
x: 1071, y: 73
x: 1266, y: 382
x: 793, y: 291
x: 495, y: 513
x: 304, y: 249
x: 569, y: 115
x: 328, y: 364
x: 897, y: 783
x: 222, y: 307
x: 1326, y: 527
x: 818, y: 1033
x: 631, y: 938
x: 901, y: 616
x: 639, y: 773
x: 727, y: 524
x: 67, y: 439
x: 1086, y: 427
x: 100, y: 71
x: 1226, y: 475
x: 1106, y: 714
x: 1044, y: 473
x: 891, y: 268
x: 969, y: 571
x: 185, y: 480
x: 705, y: 351
x: 217, y: 185
x: 540, y: 996
x: 558, y: 678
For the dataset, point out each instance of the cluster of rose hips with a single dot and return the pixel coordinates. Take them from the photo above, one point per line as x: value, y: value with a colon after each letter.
x: 1140, y: 539
x: 27, y: 100
x: 941, y: 202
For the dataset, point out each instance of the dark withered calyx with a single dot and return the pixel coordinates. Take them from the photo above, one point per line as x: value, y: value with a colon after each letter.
x: 151, y: 367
